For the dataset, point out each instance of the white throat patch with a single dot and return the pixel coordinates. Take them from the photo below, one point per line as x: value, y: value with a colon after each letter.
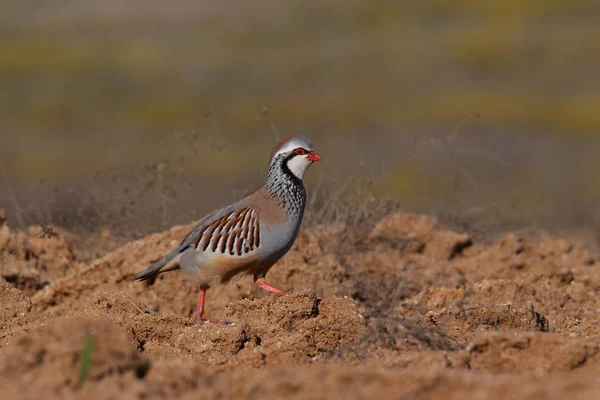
x: 298, y: 165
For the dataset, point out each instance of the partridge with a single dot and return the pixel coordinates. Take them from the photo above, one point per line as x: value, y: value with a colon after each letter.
x: 249, y: 236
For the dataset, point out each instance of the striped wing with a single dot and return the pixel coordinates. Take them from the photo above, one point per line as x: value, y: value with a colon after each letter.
x: 236, y: 232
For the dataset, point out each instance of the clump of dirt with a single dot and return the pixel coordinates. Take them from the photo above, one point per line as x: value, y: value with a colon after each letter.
x: 262, y: 331
x: 15, y: 302
x: 299, y: 326
x: 419, y: 234
x: 528, y: 353
x: 403, y: 308
x: 15, y: 309
x: 33, y: 258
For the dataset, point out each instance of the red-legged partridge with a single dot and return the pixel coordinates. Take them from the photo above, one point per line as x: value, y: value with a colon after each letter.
x: 250, y: 235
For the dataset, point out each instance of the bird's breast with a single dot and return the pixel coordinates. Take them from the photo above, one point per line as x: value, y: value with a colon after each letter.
x: 278, y: 239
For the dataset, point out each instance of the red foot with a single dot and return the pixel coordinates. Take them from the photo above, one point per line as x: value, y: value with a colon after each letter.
x: 269, y: 288
x: 205, y: 317
x: 201, y: 315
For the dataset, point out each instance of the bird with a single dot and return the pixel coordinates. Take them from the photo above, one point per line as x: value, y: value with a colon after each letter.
x: 249, y: 236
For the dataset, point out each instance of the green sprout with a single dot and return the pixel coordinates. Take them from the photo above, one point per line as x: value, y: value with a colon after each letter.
x: 86, y: 359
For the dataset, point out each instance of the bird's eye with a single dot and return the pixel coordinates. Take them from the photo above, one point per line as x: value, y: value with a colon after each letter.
x: 300, y: 151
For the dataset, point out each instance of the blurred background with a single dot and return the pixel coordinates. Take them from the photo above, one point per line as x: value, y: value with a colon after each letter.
x: 133, y: 115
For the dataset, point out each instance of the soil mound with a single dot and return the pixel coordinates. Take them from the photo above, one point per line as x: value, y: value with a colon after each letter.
x: 403, y: 308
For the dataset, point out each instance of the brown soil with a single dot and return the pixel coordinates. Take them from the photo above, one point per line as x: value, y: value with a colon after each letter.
x: 406, y: 310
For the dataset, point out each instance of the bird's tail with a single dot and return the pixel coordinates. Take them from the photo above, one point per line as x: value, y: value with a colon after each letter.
x: 157, y: 267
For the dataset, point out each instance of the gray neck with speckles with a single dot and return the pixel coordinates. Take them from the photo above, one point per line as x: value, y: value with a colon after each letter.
x: 283, y: 185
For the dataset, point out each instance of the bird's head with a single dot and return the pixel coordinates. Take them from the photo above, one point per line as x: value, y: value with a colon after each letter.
x: 296, y: 153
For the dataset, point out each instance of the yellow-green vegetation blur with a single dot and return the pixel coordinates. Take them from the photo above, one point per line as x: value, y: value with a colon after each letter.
x: 341, y: 64
x: 77, y: 75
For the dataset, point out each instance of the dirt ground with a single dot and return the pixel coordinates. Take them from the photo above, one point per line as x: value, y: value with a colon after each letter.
x: 405, y: 310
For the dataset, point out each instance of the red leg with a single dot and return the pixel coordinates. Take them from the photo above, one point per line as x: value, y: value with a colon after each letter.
x: 269, y: 288
x: 201, y: 315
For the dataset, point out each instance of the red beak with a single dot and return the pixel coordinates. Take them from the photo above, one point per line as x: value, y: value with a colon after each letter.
x: 314, y: 157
